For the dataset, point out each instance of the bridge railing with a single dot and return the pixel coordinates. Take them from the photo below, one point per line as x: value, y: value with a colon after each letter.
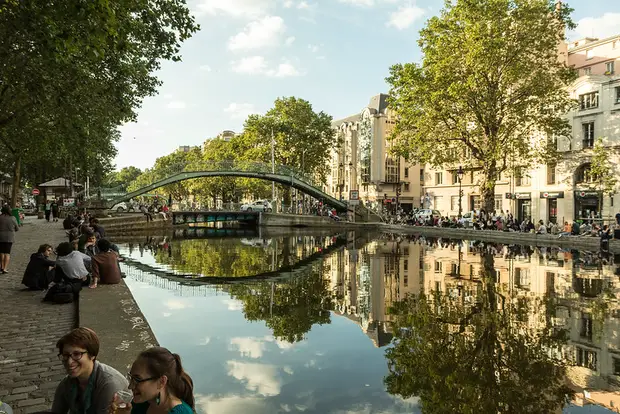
x: 151, y: 178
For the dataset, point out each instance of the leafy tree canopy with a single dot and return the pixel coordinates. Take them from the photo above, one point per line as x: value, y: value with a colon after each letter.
x: 490, y: 85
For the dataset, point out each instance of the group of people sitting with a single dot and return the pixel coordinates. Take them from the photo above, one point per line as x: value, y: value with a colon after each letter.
x: 87, y: 259
x: 156, y: 382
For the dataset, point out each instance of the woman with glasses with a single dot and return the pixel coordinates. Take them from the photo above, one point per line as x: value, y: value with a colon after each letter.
x: 90, y: 385
x: 39, y: 272
x: 159, y: 385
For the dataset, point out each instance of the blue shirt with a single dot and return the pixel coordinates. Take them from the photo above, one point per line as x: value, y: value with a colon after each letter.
x: 182, y: 408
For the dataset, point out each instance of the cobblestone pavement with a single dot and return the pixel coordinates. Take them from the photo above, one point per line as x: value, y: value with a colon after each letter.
x: 29, y: 328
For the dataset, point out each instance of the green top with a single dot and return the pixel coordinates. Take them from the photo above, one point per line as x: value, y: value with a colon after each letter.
x: 183, y: 408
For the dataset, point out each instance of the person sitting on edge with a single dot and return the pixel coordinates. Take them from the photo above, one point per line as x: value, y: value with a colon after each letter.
x: 87, y: 234
x: 90, y: 385
x: 39, y: 272
x: 542, y: 229
x: 159, y: 385
x: 99, y: 230
x: 104, y: 265
x: 73, y: 263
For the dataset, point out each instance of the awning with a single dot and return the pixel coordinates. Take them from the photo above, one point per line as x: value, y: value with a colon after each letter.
x: 60, y: 182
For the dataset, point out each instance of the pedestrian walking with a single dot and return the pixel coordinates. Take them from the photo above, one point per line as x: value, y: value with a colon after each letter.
x: 8, y: 227
x: 54, y: 207
x: 48, y: 210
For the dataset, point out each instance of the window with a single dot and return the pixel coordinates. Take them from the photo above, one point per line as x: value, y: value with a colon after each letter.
x: 588, y: 100
x: 406, y: 186
x: 406, y: 172
x: 551, y: 173
x: 391, y: 170
x: 438, y: 267
x: 522, y: 178
x: 588, y: 135
x: 522, y: 277
x: 586, y: 358
x: 587, y: 71
x: 405, y: 265
x: 609, y: 67
x: 454, y: 203
x: 438, y: 202
x: 616, y: 366
x: 586, y: 326
x: 617, y: 94
x: 455, y: 177
x: 476, y: 202
x: 438, y: 178
x: 589, y: 53
x: 584, y: 174
x: 498, y: 203
x: 421, y: 176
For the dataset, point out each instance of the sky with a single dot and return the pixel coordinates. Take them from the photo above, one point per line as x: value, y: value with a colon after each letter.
x: 334, y: 53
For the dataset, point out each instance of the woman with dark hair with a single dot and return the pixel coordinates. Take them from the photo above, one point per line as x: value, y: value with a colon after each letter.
x: 159, y: 384
x: 8, y: 227
x: 39, y: 273
x: 90, y: 386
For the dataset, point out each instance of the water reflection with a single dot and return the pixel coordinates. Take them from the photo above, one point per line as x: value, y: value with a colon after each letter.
x: 475, y: 327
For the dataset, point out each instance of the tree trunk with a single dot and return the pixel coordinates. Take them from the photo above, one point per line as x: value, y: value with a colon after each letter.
x: 17, y: 167
x: 487, y: 195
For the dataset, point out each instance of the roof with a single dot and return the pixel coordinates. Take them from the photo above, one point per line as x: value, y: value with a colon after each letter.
x: 379, y: 103
x: 352, y: 118
x: 59, y: 182
x: 592, y: 44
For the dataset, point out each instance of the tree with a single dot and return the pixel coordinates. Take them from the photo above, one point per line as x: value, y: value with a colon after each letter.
x: 490, y: 84
x: 123, y: 177
x: 72, y: 71
x: 303, y: 138
x: 603, y: 172
x: 494, y: 356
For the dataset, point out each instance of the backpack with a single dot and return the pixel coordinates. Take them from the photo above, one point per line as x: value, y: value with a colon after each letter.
x: 63, y: 290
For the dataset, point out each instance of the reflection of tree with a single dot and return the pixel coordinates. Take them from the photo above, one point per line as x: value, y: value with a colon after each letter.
x: 297, y: 304
x: 489, y: 357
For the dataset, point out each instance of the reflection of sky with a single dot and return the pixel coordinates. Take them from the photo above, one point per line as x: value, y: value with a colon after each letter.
x: 239, y: 367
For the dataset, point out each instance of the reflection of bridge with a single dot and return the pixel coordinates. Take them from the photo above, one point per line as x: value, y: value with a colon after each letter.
x: 280, y: 174
x: 286, y: 271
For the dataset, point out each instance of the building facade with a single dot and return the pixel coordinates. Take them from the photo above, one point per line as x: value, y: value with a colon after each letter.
x: 564, y: 190
x: 362, y: 161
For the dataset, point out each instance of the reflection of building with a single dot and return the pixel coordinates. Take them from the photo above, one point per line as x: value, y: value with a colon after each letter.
x: 562, y: 190
x: 363, y: 161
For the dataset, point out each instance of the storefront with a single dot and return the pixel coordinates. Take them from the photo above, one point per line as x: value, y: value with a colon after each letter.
x: 524, y: 205
x: 552, y: 204
x: 586, y: 204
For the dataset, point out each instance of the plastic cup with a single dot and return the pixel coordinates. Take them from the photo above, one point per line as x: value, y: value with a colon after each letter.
x: 125, y: 398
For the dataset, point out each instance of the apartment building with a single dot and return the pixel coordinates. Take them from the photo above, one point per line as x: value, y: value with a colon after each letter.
x: 564, y: 190
x: 363, y: 162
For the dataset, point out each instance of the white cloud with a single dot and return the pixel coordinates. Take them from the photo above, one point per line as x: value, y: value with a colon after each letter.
x: 205, y: 68
x: 205, y: 341
x: 239, y: 111
x: 288, y: 4
x: 175, y: 304
x: 233, y: 305
x: 405, y: 16
x: 313, y: 48
x: 252, y: 65
x: 360, y: 3
x: 284, y: 70
x: 289, y: 40
x: 250, y: 347
x: 601, y: 27
x: 263, y: 379
x: 166, y: 314
x: 235, y: 8
x: 232, y: 404
x: 261, y: 33
x: 258, y: 65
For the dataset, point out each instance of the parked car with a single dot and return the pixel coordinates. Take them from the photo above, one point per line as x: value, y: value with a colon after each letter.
x: 427, y: 213
x: 259, y: 205
x: 123, y: 207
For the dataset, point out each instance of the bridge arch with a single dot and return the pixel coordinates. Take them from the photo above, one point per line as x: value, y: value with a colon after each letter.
x: 280, y: 178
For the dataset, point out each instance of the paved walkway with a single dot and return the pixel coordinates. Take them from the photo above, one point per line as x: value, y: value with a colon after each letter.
x: 29, y: 329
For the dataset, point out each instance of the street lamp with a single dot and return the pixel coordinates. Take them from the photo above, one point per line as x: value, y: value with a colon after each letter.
x: 341, y: 178
x: 459, y: 175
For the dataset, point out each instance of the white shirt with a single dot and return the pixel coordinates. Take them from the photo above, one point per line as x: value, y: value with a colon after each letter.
x: 74, y: 264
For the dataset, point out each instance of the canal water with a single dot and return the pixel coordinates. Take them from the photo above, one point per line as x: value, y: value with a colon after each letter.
x: 358, y: 323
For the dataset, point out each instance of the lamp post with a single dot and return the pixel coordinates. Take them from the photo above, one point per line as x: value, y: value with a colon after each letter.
x: 459, y: 175
x: 341, y: 179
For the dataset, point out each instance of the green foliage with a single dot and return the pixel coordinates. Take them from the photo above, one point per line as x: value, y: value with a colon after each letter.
x: 603, y: 171
x: 72, y: 71
x: 490, y: 84
x: 123, y: 177
x: 494, y: 356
